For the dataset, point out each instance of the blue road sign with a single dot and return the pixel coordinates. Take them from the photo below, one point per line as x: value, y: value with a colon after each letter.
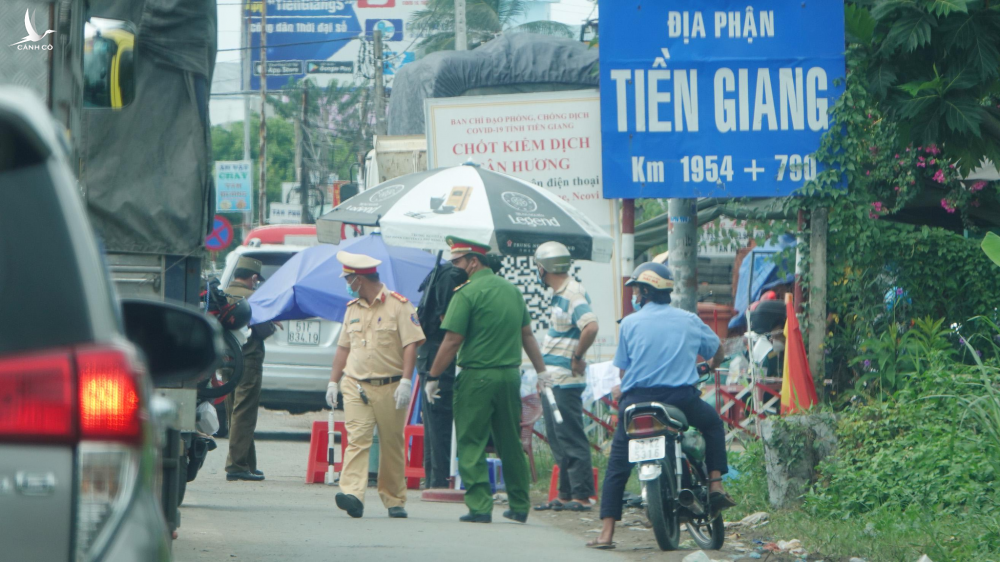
x: 221, y: 236
x: 716, y: 98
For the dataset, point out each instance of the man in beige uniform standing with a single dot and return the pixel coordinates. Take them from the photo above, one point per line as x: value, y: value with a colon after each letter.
x: 373, y: 368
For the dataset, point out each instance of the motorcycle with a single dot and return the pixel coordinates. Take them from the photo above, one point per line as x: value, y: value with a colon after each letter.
x: 213, y: 390
x: 674, y: 478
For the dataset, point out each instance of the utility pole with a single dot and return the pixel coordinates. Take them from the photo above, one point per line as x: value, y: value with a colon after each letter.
x: 245, y: 83
x: 818, y: 225
x: 380, y: 126
x: 461, y: 35
x: 628, y: 252
x: 304, y: 169
x: 683, y: 245
x: 262, y: 187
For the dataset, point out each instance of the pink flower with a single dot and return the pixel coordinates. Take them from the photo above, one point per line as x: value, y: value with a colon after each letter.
x: 897, y: 157
x: 939, y: 176
x: 897, y: 188
x: 868, y: 172
x: 947, y: 206
x: 912, y: 182
x: 978, y: 186
x: 933, y: 149
x: 952, y: 166
x: 921, y: 164
x: 878, y: 206
x: 872, y: 215
x: 931, y: 161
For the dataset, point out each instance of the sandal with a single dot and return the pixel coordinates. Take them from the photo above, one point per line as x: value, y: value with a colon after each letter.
x: 575, y: 506
x: 720, y: 500
x: 554, y: 504
x: 600, y: 545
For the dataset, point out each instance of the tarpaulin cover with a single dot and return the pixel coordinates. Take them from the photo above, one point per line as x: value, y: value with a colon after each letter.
x: 533, y: 62
x: 147, y: 168
x: 767, y: 273
x: 309, y: 284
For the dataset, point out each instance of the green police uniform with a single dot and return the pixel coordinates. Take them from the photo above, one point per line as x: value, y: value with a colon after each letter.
x: 489, y: 312
x: 242, y: 403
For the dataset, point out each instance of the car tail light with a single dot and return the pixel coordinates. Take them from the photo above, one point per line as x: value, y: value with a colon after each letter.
x: 37, y: 399
x: 644, y: 424
x: 109, y: 396
x: 111, y: 428
x: 90, y: 397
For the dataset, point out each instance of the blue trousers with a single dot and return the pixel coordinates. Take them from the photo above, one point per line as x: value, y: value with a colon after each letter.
x: 699, y: 414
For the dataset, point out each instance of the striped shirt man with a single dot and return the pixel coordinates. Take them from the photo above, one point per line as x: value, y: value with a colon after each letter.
x: 570, y: 313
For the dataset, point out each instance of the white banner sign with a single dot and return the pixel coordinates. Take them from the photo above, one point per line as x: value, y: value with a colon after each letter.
x: 552, y: 139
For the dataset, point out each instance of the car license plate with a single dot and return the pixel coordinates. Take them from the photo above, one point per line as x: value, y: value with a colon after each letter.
x: 303, y: 332
x: 651, y: 449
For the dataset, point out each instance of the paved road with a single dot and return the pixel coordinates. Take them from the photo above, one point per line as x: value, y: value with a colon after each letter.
x: 284, y: 519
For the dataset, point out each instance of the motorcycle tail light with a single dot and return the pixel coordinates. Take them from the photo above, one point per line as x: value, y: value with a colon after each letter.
x: 645, y: 424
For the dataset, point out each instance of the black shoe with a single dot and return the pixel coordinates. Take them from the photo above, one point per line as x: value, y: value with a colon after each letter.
x: 476, y: 518
x: 397, y: 512
x: 245, y: 475
x: 350, y: 504
x: 515, y: 516
x: 258, y: 472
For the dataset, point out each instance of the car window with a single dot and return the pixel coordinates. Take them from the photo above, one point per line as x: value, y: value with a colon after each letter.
x: 271, y: 261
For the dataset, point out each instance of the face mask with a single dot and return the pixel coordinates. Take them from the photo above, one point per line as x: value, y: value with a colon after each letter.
x: 636, y: 303
x: 351, y: 292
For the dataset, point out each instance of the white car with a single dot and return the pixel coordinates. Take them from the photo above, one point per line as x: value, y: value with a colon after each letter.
x: 299, y: 355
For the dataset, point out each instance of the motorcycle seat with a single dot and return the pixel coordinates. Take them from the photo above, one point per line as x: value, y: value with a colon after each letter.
x: 673, y: 411
x: 677, y: 415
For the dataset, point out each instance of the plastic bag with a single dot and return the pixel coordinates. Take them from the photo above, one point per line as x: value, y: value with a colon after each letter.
x: 208, y: 418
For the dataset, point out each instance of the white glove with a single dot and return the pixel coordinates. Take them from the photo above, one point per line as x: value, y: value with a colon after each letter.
x: 431, y: 390
x: 402, y: 394
x: 544, y: 380
x: 332, y: 391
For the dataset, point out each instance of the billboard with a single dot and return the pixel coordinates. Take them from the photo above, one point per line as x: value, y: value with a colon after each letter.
x: 716, y: 98
x: 551, y: 139
x: 322, y: 39
x: 233, y: 187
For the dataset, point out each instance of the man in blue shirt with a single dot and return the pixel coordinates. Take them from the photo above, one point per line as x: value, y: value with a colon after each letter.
x: 658, y: 349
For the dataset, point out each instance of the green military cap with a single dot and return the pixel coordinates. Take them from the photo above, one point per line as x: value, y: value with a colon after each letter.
x: 252, y: 264
x: 461, y: 246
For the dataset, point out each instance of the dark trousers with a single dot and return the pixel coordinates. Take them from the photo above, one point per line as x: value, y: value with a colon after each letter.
x: 569, y: 444
x: 241, y: 407
x: 437, y: 437
x: 699, y: 414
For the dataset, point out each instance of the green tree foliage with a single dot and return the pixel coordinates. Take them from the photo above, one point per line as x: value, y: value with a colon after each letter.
x: 934, y: 65
x: 227, y: 144
x: 485, y: 20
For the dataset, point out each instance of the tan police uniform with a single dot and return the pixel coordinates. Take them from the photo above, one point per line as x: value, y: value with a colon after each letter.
x: 376, y: 334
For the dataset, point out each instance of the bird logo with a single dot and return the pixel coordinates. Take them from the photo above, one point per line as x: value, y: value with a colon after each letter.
x: 33, y: 35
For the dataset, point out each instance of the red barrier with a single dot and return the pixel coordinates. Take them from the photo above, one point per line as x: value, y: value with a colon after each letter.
x: 317, y: 463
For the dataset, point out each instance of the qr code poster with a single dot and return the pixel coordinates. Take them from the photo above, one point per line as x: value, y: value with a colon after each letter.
x: 599, y: 281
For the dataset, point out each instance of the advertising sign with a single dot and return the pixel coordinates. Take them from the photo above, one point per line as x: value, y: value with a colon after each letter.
x: 233, y: 187
x: 553, y: 140
x: 716, y: 98
x: 322, y: 39
x: 284, y: 213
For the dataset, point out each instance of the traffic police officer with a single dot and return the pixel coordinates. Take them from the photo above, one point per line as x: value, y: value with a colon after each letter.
x: 373, y: 368
x: 657, y: 355
x: 487, y: 325
x: 572, y: 330
x: 243, y: 402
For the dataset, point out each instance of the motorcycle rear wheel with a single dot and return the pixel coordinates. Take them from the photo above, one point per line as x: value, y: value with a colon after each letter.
x: 708, y: 535
x: 662, y: 513
x: 233, y: 362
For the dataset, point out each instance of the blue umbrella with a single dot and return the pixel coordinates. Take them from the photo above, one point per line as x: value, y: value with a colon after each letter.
x: 309, y: 284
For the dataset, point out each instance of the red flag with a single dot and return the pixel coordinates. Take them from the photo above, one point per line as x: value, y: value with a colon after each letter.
x: 798, y: 393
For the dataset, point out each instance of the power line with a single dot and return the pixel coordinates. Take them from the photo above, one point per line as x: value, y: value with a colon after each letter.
x: 290, y: 44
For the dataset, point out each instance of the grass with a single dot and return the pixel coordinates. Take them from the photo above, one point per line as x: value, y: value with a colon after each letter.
x: 882, y: 535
